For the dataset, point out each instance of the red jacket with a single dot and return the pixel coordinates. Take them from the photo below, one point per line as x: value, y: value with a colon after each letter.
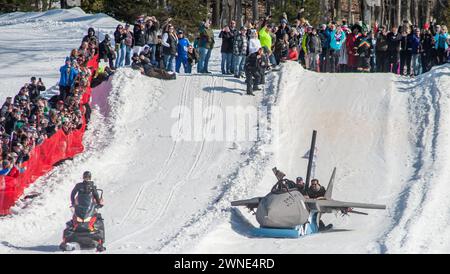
x: 292, y: 55
x: 350, y: 44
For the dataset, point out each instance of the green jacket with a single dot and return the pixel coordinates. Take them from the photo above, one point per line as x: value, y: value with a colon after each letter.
x: 265, y: 38
x: 206, y: 38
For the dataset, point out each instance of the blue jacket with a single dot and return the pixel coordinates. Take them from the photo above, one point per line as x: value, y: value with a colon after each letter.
x: 441, y: 40
x: 182, y: 48
x: 67, y: 78
x: 414, y: 41
x: 334, y: 44
x: 5, y: 171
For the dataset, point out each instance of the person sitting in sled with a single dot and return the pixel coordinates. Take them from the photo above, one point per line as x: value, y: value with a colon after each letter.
x: 300, y: 184
x: 316, y: 191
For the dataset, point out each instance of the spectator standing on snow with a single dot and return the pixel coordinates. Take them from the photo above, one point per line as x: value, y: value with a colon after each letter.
x: 67, y: 78
x: 393, y: 40
x: 381, y: 50
x: 151, y: 36
x: 120, y: 47
x: 226, y: 50
x: 170, y: 47
x: 129, y: 42
x: 314, y: 48
x: 106, y: 51
x: 139, y: 36
x: 240, y: 52
x: 205, y: 45
x: 252, y: 67
x: 35, y: 89
x: 182, y: 53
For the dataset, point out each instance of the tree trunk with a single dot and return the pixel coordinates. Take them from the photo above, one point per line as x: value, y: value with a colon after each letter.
x: 268, y: 7
x: 232, y: 7
x: 225, y: 13
x: 63, y: 4
x: 365, y: 12
x: 415, y: 13
x: 216, y: 13
x: 324, y: 7
x: 255, y: 10
x: 408, y: 10
x: 337, y: 6
x: 239, y: 22
x: 349, y: 19
x: 398, y: 13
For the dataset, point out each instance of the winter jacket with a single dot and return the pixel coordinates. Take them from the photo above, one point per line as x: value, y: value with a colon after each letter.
x: 364, y: 45
x: 86, y: 191
x: 119, y: 37
x: 293, y: 54
x: 206, y: 38
x: 252, y: 63
x: 404, y: 43
x: 170, y: 43
x: 382, y: 43
x: 427, y: 42
x: 414, y: 42
x: 68, y: 75
x: 350, y: 45
x: 316, y: 194
x: 324, y: 38
x: 337, y: 40
x: 151, y: 33
x: 393, y: 41
x: 129, y: 39
x: 265, y: 38
x: 441, y: 40
x: 227, y: 42
x: 281, y: 32
x: 240, y: 45
x: 313, y: 44
x: 91, y: 38
x: 193, y: 57
x: 254, y: 45
x: 35, y: 91
x: 182, y: 48
x: 139, y: 36
x: 104, y: 49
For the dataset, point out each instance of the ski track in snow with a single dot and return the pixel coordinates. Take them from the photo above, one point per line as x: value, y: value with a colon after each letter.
x: 166, y: 194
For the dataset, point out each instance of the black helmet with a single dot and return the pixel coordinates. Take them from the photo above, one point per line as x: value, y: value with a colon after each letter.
x: 87, y: 175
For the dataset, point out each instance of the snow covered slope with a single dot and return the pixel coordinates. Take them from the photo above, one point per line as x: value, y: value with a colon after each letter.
x: 169, y: 182
x: 388, y: 137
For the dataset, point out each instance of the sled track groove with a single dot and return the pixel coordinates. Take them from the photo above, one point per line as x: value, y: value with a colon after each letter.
x: 182, y: 103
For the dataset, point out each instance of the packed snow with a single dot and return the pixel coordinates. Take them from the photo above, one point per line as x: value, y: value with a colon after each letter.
x: 164, y: 155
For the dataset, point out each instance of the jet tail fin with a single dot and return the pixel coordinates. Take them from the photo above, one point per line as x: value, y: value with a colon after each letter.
x: 329, y: 191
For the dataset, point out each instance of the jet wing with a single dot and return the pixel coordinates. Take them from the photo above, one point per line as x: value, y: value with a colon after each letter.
x: 249, y: 203
x: 329, y: 205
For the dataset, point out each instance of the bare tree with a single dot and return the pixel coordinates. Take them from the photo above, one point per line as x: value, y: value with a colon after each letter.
x: 398, y: 13
x: 216, y: 13
x: 350, y: 19
x: 268, y: 7
x: 239, y: 22
x: 338, y: 8
x: 255, y: 9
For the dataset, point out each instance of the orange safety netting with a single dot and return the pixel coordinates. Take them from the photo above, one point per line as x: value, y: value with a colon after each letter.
x: 58, y: 147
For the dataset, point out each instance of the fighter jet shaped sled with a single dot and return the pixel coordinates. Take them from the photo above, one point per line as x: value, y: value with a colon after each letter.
x: 286, y: 213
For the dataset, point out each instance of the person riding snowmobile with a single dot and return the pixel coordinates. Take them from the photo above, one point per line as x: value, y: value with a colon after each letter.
x: 82, y: 191
x: 86, y: 227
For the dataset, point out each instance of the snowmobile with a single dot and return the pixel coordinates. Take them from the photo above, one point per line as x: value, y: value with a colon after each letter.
x: 86, y: 230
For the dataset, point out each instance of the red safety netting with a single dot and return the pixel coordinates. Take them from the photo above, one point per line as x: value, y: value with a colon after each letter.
x: 58, y: 147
